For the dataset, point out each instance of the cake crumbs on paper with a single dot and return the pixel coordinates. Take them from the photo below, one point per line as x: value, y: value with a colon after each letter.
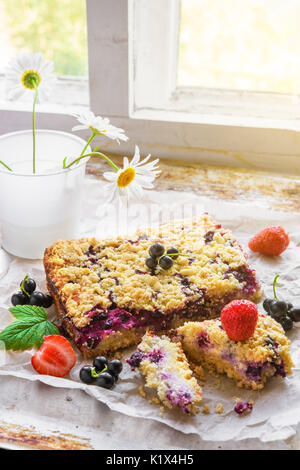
x: 217, y: 383
x: 162, y: 410
x: 154, y: 400
x: 236, y: 399
x: 206, y: 409
x: 198, y: 372
x: 219, y: 408
x: 243, y: 407
x: 142, y: 391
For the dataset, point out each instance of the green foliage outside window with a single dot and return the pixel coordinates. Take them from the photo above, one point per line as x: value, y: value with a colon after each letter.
x: 57, y: 28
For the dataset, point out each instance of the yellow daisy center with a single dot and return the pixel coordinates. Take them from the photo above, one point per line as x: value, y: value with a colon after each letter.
x: 96, y: 131
x: 31, y: 79
x: 126, y: 177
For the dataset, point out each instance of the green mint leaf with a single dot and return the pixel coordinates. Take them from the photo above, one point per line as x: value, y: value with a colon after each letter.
x: 24, y: 334
x: 21, y: 335
x: 47, y: 328
x: 24, y: 312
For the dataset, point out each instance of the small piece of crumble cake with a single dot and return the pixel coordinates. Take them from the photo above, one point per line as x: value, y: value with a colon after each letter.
x: 243, y: 407
x: 165, y: 368
x: 107, y: 297
x: 219, y: 409
x: 249, y: 362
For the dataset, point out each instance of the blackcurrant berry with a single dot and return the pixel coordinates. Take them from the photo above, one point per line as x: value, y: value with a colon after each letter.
x: 173, y: 251
x: 48, y: 301
x: 166, y: 262
x: 267, y: 304
x: 286, y: 323
x: 105, y: 380
x: 85, y: 374
x: 19, y: 299
x: 294, y: 314
x: 289, y: 306
x: 99, y: 363
x: 278, y: 306
x: 151, y: 262
x: 156, y: 250
x: 114, y: 367
x: 278, y: 316
x: 37, y: 298
x: 29, y: 285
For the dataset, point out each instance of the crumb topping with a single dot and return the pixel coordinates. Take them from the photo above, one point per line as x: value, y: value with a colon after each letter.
x: 110, y: 272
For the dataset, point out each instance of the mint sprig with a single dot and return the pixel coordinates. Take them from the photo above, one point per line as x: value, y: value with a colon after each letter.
x: 29, y: 329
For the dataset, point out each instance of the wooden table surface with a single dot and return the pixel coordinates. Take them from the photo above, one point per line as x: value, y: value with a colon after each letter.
x: 281, y: 192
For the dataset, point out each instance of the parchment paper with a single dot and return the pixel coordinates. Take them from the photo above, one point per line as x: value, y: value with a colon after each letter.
x: 276, y: 413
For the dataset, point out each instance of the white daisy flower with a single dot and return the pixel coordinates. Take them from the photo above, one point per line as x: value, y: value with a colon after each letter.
x: 27, y: 71
x: 99, y: 125
x: 130, y: 180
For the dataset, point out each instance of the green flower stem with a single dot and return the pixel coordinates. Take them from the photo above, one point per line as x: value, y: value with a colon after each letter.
x: 274, y: 286
x: 88, y: 143
x: 6, y: 166
x: 33, y: 125
x: 90, y: 155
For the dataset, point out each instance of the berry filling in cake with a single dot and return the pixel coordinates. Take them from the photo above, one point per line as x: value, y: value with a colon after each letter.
x: 250, y: 362
x: 108, y: 292
x: 165, y: 368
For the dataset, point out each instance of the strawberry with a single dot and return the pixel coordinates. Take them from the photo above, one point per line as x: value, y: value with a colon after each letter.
x: 270, y: 241
x: 55, y: 357
x: 239, y: 319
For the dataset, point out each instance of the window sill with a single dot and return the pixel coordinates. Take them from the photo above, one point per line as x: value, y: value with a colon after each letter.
x: 71, y: 95
x: 226, y: 119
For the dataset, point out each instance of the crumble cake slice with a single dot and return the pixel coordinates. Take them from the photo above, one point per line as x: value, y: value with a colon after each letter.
x: 249, y: 362
x: 107, y: 297
x: 165, y: 368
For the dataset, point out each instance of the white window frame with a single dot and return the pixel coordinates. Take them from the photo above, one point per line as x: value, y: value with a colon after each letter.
x: 216, y: 135
x: 155, y: 51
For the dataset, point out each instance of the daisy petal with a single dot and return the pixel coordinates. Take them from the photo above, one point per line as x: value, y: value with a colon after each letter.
x: 110, y: 176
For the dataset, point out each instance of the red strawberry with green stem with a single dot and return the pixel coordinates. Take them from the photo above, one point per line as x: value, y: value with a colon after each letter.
x: 239, y: 319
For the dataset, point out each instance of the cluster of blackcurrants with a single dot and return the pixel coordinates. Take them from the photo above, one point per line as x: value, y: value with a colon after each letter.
x: 102, y: 373
x: 283, y: 312
x: 29, y: 296
x: 158, y: 256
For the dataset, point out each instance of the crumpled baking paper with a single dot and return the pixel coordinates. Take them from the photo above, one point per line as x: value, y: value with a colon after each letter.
x: 276, y: 412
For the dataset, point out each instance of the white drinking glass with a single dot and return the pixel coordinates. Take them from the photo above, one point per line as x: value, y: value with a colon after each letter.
x: 38, y: 209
